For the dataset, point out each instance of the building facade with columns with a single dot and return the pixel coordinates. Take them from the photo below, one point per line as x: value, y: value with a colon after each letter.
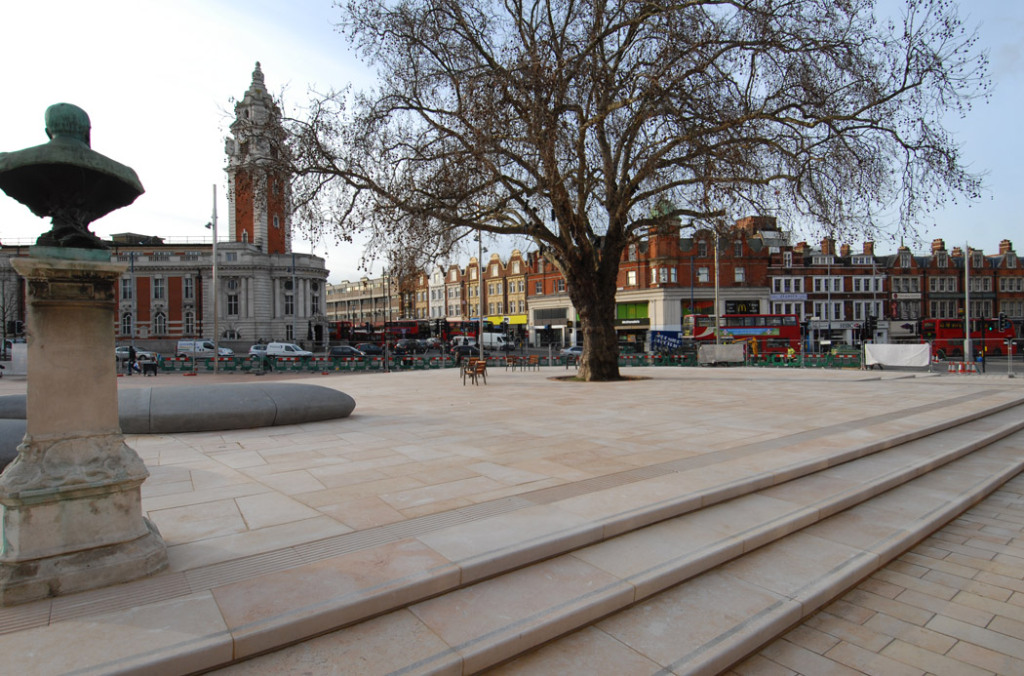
x: 265, y: 290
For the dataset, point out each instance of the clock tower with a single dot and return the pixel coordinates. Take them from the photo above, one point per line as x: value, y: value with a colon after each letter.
x: 259, y: 193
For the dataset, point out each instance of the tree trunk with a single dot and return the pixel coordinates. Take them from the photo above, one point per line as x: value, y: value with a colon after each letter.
x: 594, y: 298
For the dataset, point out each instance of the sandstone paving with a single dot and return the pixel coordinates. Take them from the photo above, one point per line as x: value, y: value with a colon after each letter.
x: 458, y: 447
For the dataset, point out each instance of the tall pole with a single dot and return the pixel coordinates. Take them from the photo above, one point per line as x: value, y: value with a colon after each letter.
x: 480, y: 293
x: 216, y: 290
x: 718, y: 314
x: 295, y: 303
x: 968, y: 351
x: 828, y: 290
x: 135, y: 301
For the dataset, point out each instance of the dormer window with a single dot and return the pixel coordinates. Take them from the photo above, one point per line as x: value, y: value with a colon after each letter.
x: 787, y: 259
x: 1011, y: 259
x: 942, y: 259
x: 904, y: 259
x: 976, y: 260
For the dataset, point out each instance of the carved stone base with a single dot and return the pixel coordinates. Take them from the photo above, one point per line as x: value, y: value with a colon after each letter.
x: 35, y: 579
x: 71, y: 501
x: 72, y: 518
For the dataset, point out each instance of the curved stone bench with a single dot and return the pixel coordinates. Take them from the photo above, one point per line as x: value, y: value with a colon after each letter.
x: 169, y: 410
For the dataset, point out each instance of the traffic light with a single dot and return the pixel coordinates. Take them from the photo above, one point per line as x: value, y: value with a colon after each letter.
x: 1004, y: 321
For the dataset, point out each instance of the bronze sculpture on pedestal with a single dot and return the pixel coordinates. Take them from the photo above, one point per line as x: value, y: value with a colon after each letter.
x: 66, y: 180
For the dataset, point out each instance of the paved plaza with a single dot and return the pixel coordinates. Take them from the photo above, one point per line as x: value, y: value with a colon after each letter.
x: 256, y: 520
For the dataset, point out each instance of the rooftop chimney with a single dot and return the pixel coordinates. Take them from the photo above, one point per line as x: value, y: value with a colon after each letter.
x: 869, y: 248
x: 828, y: 246
x: 938, y: 245
x: 844, y: 250
x: 1005, y: 246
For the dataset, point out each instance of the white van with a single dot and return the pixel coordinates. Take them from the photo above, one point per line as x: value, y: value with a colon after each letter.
x: 200, y: 348
x: 286, y: 350
x: 497, y: 341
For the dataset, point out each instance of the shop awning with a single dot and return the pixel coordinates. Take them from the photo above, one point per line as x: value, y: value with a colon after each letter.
x: 512, y: 319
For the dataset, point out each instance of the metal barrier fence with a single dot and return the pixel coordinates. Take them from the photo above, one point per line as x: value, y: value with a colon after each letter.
x: 248, y: 364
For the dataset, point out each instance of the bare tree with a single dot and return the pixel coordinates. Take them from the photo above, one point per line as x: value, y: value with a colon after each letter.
x: 581, y: 124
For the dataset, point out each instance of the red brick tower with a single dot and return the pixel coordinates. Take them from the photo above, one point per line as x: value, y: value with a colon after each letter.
x: 259, y: 192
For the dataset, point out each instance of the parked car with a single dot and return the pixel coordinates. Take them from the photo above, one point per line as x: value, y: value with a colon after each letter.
x: 463, y: 340
x: 370, y: 349
x: 201, y: 348
x: 407, y: 346
x: 573, y: 351
x: 258, y: 350
x: 345, y: 351
x: 433, y: 343
x: 121, y: 353
x: 286, y: 350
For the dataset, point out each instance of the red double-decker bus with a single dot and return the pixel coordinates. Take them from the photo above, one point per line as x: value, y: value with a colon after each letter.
x: 766, y: 334
x: 947, y: 337
x: 339, y: 331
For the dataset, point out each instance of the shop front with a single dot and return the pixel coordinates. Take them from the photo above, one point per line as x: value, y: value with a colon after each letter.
x: 632, y: 334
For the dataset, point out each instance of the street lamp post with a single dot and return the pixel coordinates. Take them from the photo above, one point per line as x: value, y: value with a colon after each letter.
x: 718, y: 314
x: 216, y: 291
x: 480, y: 293
x: 968, y: 347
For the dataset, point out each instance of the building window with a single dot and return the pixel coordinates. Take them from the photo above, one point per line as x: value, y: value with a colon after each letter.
x: 126, y: 289
x: 189, y: 327
x: 787, y: 259
x: 158, y: 288
x: 289, y: 332
x: 231, y: 256
x: 702, y: 249
x: 233, y: 304
x: 127, y: 324
x: 188, y: 288
x: 941, y: 259
x: 538, y: 289
x: 703, y: 275
x: 737, y: 249
x: 741, y: 275
x: 632, y: 252
x: 289, y: 304
x: 904, y: 259
x: 160, y: 324
x: 561, y: 286
x: 631, y: 278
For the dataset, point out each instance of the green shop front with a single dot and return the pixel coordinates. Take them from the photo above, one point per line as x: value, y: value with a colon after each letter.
x: 632, y: 324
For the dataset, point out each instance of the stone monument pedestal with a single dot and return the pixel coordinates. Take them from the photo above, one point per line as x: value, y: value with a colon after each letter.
x: 72, y: 514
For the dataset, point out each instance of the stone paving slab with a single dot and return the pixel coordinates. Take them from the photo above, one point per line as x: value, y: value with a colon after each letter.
x: 422, y: 445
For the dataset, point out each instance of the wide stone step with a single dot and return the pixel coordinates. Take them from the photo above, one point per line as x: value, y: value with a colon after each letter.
x: 751, y: 565
x: 715, y: 620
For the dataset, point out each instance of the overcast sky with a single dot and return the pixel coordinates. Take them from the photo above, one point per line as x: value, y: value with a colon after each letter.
x: 157, y: 79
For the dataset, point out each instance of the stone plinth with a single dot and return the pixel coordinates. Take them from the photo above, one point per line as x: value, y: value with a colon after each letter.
x: 72, y: 515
